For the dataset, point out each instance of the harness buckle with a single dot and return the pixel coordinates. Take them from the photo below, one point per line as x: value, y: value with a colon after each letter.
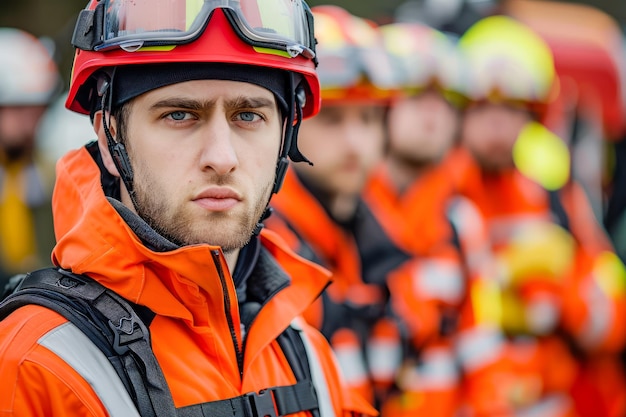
x: 261, y: 404
x: 125, y: 332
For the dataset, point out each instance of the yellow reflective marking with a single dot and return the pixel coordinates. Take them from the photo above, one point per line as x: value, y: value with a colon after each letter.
x: 486, y: 302
x: 542, y: 156
x: 164, y: 48
x: 270, y: 51
x: 610, y: 274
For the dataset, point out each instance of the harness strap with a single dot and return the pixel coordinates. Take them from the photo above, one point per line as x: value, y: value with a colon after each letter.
x: 109, y: 321
x: 271, y: 402
x: 114, y: 326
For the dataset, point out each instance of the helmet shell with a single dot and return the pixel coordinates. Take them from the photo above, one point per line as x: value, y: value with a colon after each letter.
x: 217, y: 43
x: 353, y: 63
x: 28, y: 74
x: 425, y: 57
x: 507, y: 60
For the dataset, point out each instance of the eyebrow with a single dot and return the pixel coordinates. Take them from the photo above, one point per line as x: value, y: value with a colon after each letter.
x: 239, y: 102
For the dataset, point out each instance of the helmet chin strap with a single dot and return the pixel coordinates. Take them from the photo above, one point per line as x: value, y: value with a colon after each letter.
x: 116, y: 149
x: 292, y: 125
x: 289, y: 148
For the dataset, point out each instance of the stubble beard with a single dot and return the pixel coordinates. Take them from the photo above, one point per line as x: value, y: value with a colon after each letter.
x: 182, y: 228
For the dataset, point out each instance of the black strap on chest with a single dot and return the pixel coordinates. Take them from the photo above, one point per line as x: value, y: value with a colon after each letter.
x: 120, y: 330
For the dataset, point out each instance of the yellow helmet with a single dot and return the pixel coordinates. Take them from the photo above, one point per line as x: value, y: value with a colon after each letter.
x: 508, y: 61
x: 353, y: 63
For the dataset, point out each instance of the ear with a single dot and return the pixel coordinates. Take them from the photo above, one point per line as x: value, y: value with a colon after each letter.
x: 98, y: 127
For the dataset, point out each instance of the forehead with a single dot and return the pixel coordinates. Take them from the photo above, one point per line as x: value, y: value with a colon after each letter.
x: 210, y: 90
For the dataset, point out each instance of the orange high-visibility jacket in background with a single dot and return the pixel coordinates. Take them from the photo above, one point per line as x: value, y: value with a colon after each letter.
x: 563, y: 276
x: 196, y: 335
x: 446, y: 300
x: 353, y: 312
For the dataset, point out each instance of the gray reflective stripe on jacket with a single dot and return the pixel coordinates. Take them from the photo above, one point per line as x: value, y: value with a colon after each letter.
x: 69, y: 343
x: 317, y: 374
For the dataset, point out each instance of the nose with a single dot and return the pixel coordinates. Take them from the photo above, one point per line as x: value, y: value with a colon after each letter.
x: 13, y: 125
x: 218, y: 151
x: 353, y: 134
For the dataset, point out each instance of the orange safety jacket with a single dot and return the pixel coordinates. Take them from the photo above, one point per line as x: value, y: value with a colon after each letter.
x: 353, y: 313
x: 196, y: 334
x: 590, y: 297
x: 447, y: 236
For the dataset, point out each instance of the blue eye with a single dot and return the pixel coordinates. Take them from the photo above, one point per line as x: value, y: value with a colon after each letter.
x: 248, y: 116
x: 178, y: 115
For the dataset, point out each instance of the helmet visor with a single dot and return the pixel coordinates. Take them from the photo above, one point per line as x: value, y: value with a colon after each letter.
x: 284, y: 25
x: 346, y: 66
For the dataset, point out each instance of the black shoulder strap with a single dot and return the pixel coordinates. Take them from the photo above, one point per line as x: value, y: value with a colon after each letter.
x: 118, y: 328
x: 111, y: 324
x: 558, y: 210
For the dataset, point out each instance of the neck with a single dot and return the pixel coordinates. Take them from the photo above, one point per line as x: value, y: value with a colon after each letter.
x: 231, y: 259
x: 403, y: 173
x: 343, y: 207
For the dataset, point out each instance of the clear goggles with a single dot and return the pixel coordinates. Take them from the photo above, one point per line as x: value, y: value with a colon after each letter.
x: 347, y: 66
x: 285, y: 25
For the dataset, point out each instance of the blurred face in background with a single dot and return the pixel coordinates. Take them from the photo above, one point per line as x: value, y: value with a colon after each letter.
x: 344, y: 142
x: 489, y: 132
x: 422, y: 128
x: 18, y: 125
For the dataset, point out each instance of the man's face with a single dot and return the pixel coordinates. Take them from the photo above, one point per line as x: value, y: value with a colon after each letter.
x: 344, y: 142
x: 18, y: 125
x: 422, y: 128
x: 204, y: 158
x: 490, y: 131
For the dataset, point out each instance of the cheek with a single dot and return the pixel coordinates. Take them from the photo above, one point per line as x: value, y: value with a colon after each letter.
x: 472, y: 132
x: 19, y: 122
x: 314, y: 141
x: 373, y: 143
x: 401, y: 120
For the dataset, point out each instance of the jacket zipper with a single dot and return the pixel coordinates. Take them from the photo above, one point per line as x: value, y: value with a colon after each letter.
x: 229, y: 318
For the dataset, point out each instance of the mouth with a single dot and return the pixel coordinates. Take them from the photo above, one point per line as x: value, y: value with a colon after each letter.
x: 217, y: 199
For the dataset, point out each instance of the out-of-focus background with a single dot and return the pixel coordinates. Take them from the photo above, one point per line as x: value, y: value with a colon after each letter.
x: 55, y: 19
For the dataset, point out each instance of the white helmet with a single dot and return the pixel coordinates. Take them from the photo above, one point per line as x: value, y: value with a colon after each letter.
x: 61, y: 130
x: 28, y: 75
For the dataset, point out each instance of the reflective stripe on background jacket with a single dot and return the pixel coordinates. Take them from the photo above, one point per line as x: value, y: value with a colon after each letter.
x: 196, y: 333
x: 353, y: 313
x: 447, y: 301
x: 561, y: 267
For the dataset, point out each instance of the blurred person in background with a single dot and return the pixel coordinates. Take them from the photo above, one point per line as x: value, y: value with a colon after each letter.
x: 562, y: 286
x: 166, y: 297
x: 29, y: 81
x: 320, y: 210
x: 412, y: 193
x: 61, y: 130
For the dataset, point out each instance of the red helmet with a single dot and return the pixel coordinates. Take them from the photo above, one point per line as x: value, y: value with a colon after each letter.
x: 112, y: 33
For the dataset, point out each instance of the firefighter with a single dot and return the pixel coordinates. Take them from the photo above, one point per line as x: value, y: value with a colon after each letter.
x: 562, y: 286
x: 29, y: 82
x: 196, y: 108
x: 413, y: 194
x: 321, y: 210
